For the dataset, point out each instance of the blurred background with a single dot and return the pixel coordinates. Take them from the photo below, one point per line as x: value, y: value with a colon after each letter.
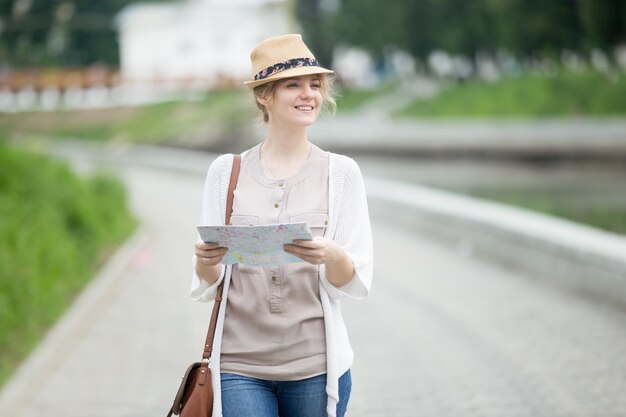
x: 520, y: 102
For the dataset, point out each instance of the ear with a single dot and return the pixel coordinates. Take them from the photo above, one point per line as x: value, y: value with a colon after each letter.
x: 262, y: 100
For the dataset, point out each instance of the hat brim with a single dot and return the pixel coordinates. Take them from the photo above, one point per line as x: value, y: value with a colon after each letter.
x: 289, y: 73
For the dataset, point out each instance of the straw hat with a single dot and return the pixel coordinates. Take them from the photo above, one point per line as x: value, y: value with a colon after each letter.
x: 282, y: 57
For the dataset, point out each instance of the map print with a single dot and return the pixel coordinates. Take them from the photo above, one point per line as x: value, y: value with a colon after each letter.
x: 256, y: 245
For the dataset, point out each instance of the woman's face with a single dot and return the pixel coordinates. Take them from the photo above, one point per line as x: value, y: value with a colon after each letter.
x: 296, y: 101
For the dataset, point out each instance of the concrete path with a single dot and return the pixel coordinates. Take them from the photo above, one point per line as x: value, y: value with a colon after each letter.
x: 442, y: 334
x: 448, y: 335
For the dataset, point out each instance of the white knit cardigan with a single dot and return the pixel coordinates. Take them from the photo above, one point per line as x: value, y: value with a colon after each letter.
x: 348, y: 225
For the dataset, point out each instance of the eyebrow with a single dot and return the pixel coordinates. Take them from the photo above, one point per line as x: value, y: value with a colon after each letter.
x: 295, y: 79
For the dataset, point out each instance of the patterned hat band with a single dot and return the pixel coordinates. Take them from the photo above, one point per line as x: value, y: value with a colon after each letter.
x: 285, y: 65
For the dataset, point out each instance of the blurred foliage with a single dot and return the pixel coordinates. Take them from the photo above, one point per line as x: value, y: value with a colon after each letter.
x: 526, y: 28
x: 80, y: 33
x: 56, y: 230
x: 568, y: 93
x: 595, y: 207
x: 351, y: 99
x: 354, y: 98
x: 219, y: 113
x: 315, y: 24
x: 59, y: 32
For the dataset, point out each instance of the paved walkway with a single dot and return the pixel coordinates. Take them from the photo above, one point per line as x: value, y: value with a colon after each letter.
x: 442, y: 334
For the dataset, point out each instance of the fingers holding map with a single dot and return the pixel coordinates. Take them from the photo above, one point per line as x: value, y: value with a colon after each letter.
x: 256, y: 245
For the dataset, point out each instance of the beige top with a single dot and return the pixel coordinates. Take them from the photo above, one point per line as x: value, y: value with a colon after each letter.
x: 274, y: 323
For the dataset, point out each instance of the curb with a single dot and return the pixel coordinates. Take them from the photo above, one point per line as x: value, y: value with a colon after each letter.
x: 558, y: 251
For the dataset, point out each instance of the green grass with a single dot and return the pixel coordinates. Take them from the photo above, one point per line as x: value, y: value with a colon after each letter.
x: 57, y: 229
x: 166, y: 122
x: 569, y: 93
x: 351, y: 100
x: 596, y: 208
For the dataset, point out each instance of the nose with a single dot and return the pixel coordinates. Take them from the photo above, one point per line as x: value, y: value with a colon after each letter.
x: 306, y: 91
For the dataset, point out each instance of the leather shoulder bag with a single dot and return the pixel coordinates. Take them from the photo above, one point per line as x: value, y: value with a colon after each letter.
x: 195, y: 394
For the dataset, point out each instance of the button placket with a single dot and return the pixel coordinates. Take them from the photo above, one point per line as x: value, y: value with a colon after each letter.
x: 276, y: 299
x: 278, y: 195
x: 274, y: 273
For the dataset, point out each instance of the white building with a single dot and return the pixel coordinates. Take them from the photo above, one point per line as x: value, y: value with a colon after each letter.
x: 202, y: 42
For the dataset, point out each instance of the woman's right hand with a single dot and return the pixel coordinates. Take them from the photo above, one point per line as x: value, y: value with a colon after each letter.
x: 209, y: 254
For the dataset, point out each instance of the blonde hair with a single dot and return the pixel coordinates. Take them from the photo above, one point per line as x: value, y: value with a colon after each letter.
x: 326, y: 90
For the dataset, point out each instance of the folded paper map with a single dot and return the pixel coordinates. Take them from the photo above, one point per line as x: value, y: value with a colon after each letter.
x: 256, y: 245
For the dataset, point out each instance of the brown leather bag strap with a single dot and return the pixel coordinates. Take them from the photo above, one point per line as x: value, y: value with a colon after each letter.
x: 234, y: 176
x: 208, y: 345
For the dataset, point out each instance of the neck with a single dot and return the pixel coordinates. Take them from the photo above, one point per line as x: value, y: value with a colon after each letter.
x: 281, y: 144
x: 284, y: 152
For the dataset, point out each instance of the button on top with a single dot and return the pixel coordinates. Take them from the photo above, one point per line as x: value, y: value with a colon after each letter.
x: 276, y: 205
x: 280, y: 184
x: 273, y: 278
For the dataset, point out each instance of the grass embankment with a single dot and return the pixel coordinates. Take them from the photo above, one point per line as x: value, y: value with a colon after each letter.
x: 168, y: 122
x: 351, y: 99
x: 568, y: 93
x: 56, y: 229
x: 597, y: 208
x: 183, y: 122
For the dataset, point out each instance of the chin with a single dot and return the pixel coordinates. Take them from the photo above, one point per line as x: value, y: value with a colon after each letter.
x: 311, y: 119
x: 305, y: 122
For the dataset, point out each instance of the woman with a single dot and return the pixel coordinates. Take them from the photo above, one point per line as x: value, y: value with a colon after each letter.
x: 281, y: 341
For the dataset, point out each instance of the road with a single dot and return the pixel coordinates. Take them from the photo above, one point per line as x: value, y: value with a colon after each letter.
x: 442, y: 334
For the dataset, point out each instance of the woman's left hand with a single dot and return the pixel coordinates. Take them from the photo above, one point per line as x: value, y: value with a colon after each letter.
x: 320, y: 250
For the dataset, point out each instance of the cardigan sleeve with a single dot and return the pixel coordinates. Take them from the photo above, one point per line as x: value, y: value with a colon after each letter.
x: 352, y: 230
x: 212, y: 214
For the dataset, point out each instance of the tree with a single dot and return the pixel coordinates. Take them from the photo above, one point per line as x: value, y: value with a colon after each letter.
x: 603, y: 23
x: 463, y: 27
x: 59, y: 32
x: 372, y: 24
x: 316, y: 26
x: 526, y: 28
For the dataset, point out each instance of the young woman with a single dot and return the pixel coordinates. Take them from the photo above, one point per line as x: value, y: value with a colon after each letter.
x: 281, y: 346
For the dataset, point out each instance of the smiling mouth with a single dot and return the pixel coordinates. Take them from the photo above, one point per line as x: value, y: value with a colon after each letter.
x: 304, y: 108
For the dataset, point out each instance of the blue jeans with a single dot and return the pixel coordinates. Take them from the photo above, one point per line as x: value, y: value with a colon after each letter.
x: 243, y: 396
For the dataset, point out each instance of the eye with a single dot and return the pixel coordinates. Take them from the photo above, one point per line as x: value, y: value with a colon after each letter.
x: 315, y: 85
